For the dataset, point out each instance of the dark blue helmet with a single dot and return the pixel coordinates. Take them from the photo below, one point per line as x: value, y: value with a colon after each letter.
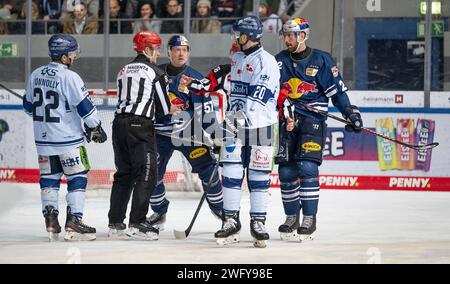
x: 60, y: 44
x: 250, y: 26
x: 178, y: 40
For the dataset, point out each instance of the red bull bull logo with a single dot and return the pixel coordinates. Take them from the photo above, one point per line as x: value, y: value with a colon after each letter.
x: 177, y: 101
x: 297, y: 88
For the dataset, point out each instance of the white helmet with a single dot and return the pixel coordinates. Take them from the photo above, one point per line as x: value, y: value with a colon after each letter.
x: 297, y: 25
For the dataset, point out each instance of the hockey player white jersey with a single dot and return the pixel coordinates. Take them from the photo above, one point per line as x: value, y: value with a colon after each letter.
x: 58, y: 100
x: 255, y: 87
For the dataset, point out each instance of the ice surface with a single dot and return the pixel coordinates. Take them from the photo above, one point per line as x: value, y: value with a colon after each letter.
x: 353, y: 227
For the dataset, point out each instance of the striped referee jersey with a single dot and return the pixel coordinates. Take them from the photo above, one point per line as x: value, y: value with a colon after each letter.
x: 142, y: 89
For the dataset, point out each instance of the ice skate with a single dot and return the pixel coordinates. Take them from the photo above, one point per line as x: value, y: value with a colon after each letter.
x: 76, y: 230
x: 229, y: 233
x: 117, y: 231
x: 307, y: 228
x: 143, y: 231
x: 51, y: 223
x: 258, y: 232
x: 157, y: 220
x: 288, y: 230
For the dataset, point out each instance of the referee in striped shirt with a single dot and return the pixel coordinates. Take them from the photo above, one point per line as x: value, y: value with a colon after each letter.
x: 142, y: 91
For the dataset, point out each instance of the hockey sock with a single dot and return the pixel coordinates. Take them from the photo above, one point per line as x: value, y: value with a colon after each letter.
x: 76, y: 187
x: 232, y: 176
x: 49, y: 190
x: 258, y: 184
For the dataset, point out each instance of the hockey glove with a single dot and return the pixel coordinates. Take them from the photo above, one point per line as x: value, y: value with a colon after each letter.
x: 96, y: 134
x: 353, y: 116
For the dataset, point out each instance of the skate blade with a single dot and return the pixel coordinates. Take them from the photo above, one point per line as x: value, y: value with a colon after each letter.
x: 117, y: 234
x: 72, y: 236
x: 137, y: 235
x: 305, y: 238
x: 53, y: 237
x: 259, y: 243
x: 290, y: 237
x: 228, y: 240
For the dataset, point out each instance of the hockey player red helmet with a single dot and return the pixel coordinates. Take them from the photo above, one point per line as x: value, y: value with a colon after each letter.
x: 144, y: 39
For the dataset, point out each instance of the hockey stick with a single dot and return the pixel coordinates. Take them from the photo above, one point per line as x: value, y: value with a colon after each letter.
x: 184, y: 234
x: 11, y: 91
x: 415, y: 147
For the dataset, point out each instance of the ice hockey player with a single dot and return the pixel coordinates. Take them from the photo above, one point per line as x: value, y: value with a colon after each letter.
x: 252, y: 113
x: 58, y: 101
x: 195, y: 108
x: 310, y: 77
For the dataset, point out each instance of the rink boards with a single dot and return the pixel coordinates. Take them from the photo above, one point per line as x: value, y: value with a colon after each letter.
x: 351, y: 161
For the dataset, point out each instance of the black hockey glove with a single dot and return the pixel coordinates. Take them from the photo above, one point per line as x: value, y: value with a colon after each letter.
x: 96, y: 134
x: 352, y: 115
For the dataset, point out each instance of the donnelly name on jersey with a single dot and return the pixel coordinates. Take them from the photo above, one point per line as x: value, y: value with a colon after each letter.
x: 46, y: 83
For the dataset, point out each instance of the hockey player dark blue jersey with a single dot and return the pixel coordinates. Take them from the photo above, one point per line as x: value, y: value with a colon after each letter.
x: 191, y: 102
x: 196, y: 110
x: 309, y: 77
x: 312, y: 81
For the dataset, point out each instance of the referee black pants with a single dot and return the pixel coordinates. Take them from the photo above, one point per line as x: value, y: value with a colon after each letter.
x: 135, y: 159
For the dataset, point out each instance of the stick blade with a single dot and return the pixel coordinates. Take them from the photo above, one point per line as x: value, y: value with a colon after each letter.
x: 179, y: 235
x: 427, y: 146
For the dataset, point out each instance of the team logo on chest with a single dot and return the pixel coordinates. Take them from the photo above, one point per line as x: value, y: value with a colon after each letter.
x: 297, y: 88
x: 311, y: 71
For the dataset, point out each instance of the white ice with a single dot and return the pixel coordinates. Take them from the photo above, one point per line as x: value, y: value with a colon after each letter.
x: 353, y: 227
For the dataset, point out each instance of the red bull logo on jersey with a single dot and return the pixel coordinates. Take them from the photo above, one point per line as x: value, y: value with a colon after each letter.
x: 177, y: 101
x: 297, y: 88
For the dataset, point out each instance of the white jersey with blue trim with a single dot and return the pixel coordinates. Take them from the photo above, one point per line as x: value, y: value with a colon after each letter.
x: 255, y: 87
x: 58, y: 101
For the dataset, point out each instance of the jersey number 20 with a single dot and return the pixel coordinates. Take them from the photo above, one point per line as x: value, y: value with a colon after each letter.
x: 49, y: 95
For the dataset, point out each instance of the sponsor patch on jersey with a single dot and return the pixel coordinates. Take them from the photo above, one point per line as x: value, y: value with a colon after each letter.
x: 239, y: 71
x: 197, y: 153
x: 249, y: 68
x: 264, y: 78
x: 335, y: 71
x: 297, y: 88
x: 311, y: 146
x: 311, y: 71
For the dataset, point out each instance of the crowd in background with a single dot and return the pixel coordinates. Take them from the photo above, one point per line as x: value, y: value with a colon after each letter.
x: 131, y: 16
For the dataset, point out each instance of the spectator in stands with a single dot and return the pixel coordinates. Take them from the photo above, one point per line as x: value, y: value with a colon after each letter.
x: 147, y: 19
x: 5, y: 14
x: 161, y: 10
x: 272, y: 23
x: 288, y: 8
x: 132, y: 11
x: 13, y: 6
x: 115, y: 14
x: 92, y: 7
x: 273, y: 6
x: 207, y: 25
x: 228, y: 8
x: 20, y: 27
x: 51, y: 10
x: 80, y: 22
x: 174, y: 10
